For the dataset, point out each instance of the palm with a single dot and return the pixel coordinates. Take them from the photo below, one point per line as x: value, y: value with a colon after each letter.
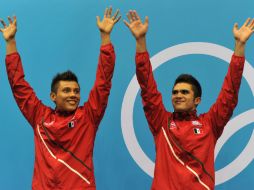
x: 138, y: 29
x: 244, y: 32
x: 9, y: 32
x: 106, y: 25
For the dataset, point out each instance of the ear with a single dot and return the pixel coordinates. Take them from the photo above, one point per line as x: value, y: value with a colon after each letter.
x: 53, y: 96
x: 197, y: 101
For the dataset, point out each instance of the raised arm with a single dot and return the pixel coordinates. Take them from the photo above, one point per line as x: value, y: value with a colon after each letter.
x: 98, y: 97
x: 24, y: 95
x: 226, y: 102
x: 151, y: 97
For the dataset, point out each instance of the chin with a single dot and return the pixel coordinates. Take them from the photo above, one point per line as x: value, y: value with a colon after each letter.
x: 71, y: 109
x: 180, y: 109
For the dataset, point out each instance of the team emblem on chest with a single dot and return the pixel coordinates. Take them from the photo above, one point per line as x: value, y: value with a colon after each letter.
x: 172, y: 125
x: 197, y: 129
x: 71, y: 124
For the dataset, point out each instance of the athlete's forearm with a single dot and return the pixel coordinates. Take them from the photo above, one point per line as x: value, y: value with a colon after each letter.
x: 141, y: 45
x: 105, y: 39
x: 11, y: 46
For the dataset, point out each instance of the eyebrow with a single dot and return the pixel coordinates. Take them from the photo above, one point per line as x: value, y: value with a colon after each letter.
x: 69, y: 88
x: 183, y: 91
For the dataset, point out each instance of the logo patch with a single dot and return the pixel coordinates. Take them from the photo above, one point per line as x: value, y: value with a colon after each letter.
x: 198, y: 131
x: 172, y: 125
x: 71, y: 124
x: 197, y: 123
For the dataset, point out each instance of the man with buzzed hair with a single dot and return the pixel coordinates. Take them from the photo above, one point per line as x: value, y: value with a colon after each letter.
x: 64, y: 137
x: 185, y: 141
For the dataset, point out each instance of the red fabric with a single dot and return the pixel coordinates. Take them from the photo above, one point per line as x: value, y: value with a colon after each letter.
x: 49, y: 171
x: 186, y: 132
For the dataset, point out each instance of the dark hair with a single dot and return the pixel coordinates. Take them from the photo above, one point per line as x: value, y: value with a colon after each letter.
x: 187, y: 78
x: 65, y: 76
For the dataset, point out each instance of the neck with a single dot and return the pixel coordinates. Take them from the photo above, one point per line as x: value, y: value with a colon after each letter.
x: 185, y: 115
x: 64, y: 113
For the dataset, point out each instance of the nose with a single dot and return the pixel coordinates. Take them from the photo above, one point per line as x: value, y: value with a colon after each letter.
x: 178, y: 95
x: 73, y: 94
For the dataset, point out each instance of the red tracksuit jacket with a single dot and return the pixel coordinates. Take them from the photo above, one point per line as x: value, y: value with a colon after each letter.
x: 63, y: 145
x: 185, y: 142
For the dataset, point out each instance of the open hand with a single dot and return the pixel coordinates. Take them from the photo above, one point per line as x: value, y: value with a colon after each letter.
x: 10, y: 30
x: 242, y: 34
x: 135, y: 24
x: 107, y: 23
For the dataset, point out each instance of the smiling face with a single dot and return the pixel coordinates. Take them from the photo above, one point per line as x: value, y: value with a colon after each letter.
x: 67, y: 96
x: 183, y: 99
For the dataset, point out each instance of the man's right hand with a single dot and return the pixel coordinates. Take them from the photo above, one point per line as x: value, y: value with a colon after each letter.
x: 242, y: 35
x: 10, y: 30
x: 135, y: 25
x: 138, y: 29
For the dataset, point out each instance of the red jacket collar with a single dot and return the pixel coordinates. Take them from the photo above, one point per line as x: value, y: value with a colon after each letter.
x: 192, y: 115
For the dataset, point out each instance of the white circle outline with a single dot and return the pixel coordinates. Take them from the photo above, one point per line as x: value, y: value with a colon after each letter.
x: 129, y: 136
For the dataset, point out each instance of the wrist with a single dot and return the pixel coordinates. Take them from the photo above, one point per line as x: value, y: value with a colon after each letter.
x: 10, y: 41
x: 105, y: 35
x: 105, y: 38
x: 239, y: 48
x: 141, y: 39
x: 11, y: 46
x: 141, y: 44
x: 239, y: 43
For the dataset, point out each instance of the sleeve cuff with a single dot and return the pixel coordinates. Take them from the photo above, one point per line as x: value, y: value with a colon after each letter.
x: 12, y: 54
x: 107, y: 46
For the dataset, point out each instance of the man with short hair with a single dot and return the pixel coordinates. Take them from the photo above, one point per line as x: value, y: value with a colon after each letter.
x: 64, y: 137
x: 184, y: 141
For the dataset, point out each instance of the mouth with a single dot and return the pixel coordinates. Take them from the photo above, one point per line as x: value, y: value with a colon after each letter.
x: 72, y: 102
x: 179, y: 102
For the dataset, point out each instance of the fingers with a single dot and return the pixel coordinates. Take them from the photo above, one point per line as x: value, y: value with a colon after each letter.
x: 115, y: 15
x: 3, y: 23
x: 98, y: 19
x: 118, y: 18
x: 246, y: 22
x: 126, y: 23
x: 15, y: 20
x: 146, y: 20
x: 251, y: 25
x: 132, y: 16
x: 9, y: 19
x: 136, y: 15
x: 107, y: 13
x: 129, y: 17
x: 235, y: 28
